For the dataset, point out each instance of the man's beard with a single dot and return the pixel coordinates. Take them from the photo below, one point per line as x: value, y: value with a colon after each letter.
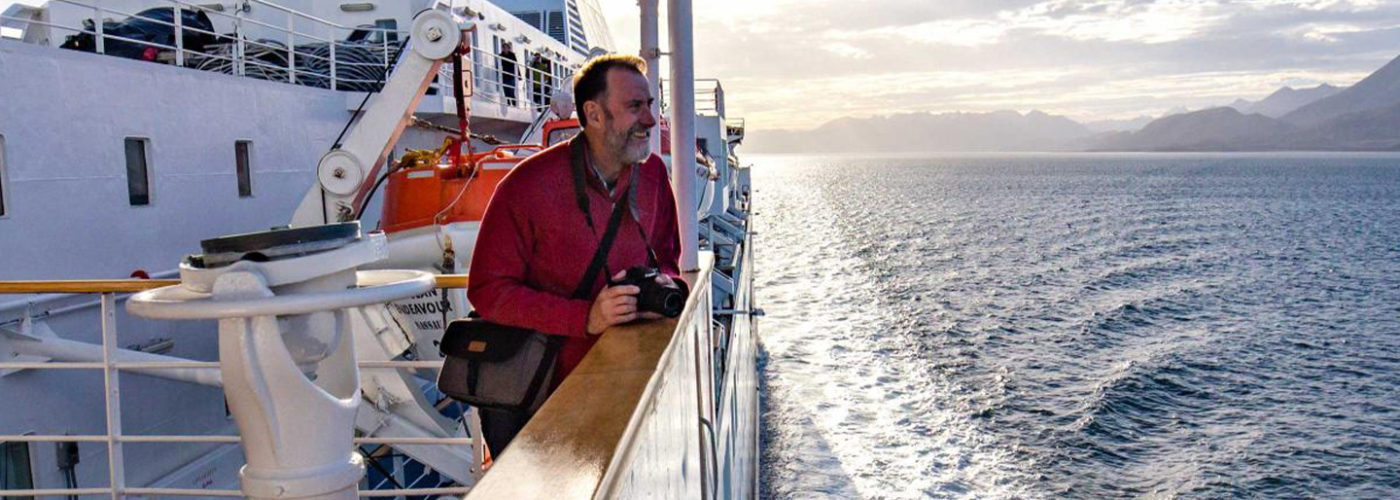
x: 627, y: 151
x: 634, y: 153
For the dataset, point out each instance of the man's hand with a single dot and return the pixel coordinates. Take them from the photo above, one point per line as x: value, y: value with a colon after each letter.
x: 615, y: 305
x: 665, y: 280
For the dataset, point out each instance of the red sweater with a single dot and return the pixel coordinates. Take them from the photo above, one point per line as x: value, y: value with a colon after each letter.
x: 535, y: 245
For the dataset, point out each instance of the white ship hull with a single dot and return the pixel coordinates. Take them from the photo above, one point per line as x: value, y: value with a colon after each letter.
x: 65, y: 118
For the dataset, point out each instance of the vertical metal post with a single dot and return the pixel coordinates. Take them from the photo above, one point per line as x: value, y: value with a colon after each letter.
x: 527, y: 88
x: 719, y: 102
x: 99, y: 37
x: 703, y: 397
x: 116, y: 467
x: 239, y: 48
x: 683, y: 129
x: 291, y: 48
x: 179, y: 37
x: 398, y: 470
x: 331, y: 39
x: 651, y: 53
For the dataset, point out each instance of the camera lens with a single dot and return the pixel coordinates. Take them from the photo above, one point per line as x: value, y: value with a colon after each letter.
x: 672, y: 303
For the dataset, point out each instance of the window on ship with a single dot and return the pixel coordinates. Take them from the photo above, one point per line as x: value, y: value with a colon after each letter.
x: 242, y: 155
x: 4, y: 180
x: 534, y: 18
x: 138, y: 171
x: 559, y: 135
x: 373, y: 34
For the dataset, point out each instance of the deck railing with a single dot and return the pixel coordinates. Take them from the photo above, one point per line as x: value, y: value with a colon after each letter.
x: 304, y: 50
x: 709, y: 96
x: 646, y: 414
x: 115, y: 438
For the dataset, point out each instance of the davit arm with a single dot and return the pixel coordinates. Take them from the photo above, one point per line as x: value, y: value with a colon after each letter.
x: 345, y: 174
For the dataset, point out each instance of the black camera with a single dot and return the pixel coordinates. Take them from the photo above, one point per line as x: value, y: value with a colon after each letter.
x: 655, y: 297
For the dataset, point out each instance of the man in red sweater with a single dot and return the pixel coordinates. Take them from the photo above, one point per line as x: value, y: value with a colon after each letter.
x: 536, y: 243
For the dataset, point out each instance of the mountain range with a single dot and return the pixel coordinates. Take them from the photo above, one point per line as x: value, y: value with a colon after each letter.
x: 1364, y: 116
x: 919, y: 132
x: 1284, y: 100
x: 1358, y: 118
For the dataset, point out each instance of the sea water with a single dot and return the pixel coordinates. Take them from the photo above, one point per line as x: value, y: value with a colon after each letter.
x: 1080, y: 326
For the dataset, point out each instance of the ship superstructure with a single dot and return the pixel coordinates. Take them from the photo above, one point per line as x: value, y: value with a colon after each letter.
x: 121, y: 151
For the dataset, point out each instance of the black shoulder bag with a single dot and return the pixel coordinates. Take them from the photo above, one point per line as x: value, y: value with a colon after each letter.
x: 491, y: 365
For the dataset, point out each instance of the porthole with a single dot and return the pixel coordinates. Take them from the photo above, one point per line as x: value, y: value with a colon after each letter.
x: 242, y: 156
x: 138, y: 171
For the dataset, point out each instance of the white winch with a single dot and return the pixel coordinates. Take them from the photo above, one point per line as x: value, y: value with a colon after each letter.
x: 281, y: 297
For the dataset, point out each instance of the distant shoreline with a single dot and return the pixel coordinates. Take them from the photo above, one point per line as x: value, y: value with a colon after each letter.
x: 925, y: 154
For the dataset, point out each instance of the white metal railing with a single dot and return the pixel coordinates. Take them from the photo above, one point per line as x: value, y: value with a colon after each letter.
x: 115, y: 438
x: 701, y: 404
x: 676, y: 414
x: 735, y: 125
x: 709, y: 96
x: 297, y: 55
x: 525, y: 87
x: 323, y: 61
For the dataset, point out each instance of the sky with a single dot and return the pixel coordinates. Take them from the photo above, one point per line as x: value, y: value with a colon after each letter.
x: 797, y: 64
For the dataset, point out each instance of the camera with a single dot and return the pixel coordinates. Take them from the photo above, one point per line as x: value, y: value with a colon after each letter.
x: 655, y: 297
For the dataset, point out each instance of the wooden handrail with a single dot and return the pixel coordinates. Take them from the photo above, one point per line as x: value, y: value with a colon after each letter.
x: 138, y: 285
x: 83, y: 286
x: 451, y: 281
x: 565, y: 451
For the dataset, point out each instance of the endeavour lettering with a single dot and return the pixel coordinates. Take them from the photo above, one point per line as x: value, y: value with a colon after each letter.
x: 417, y: 306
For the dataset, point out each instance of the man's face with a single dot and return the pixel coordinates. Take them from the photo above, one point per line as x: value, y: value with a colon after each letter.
x: 626, y: 120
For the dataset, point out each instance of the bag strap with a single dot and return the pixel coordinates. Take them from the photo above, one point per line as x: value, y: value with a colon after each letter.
x: 473, y: 377
x: 600, y: 257
x: 578, y: 160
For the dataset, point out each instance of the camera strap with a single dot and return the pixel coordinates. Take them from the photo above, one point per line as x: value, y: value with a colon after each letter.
x: 578, y: 159
x: 600, y: 257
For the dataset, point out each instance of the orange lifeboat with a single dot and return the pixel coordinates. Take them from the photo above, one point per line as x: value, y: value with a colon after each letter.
x: 424, y: 190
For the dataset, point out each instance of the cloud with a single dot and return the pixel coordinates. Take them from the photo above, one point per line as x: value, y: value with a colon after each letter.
x: 1326, y: 32
x: 1112, y: 21
x: 1319, y: 5
x: 796, y: 64
x: 846, y: 50
x: 954, y: 32
x: 1117, y: 20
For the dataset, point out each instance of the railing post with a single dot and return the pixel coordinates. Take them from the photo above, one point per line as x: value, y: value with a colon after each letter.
x: 683, y: 128
x: 99, y: 37
x: 116, y: 470
x: 698, y: 329
x: 331, y: 39
x: 239, y: 48
x: 719, y: 99
x: 651, y: 52
x: 179, y: 37
x: 291, y: 48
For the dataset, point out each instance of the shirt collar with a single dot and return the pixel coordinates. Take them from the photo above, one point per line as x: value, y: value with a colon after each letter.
x: 595, y: 181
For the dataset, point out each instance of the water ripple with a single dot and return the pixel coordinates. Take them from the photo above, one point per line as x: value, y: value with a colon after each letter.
x: 1194, y: 326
